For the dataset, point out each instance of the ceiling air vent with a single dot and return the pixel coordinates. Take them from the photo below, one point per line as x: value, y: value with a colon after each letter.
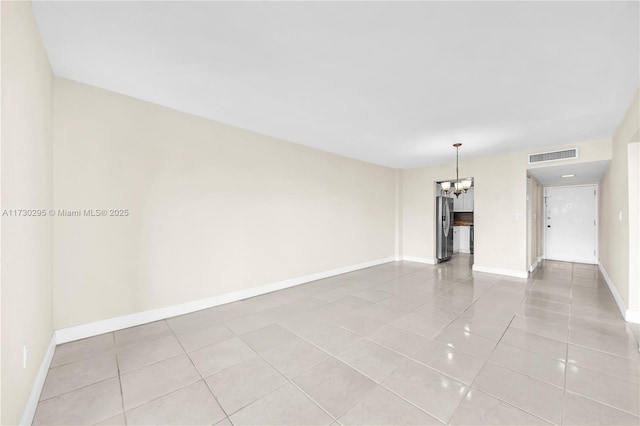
x: 543, y: 157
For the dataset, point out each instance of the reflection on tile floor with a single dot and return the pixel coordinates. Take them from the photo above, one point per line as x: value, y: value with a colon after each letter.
x: 399, y: 343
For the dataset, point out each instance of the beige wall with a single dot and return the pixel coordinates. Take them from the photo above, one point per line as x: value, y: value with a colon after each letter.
x: 499, y: 205
x: 634, y: 223
x: 213, y: 208
x: 26, y: 184
x: 616, y: 246
x: 539, y: 226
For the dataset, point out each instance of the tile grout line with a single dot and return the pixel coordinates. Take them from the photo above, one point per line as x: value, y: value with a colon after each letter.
x: 603, y: 403
x: 377, y: 383
x: 530, y: 352
x: 566, y: 365
x: 87, y: 385
x: 381, y: 383
x: 602, y: 373
x: 200, y: 374
x: 289, y: 380
x: 513, y: 405
x: 330, y: 356
x: 166, y: 394
x: 173, y: 391
x: 81, y: 387
x: 469, y: 387
x: 124, y: 413
x: 496, y: 396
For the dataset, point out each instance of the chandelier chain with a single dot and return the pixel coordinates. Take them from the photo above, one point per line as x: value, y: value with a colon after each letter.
x: 457, y: 157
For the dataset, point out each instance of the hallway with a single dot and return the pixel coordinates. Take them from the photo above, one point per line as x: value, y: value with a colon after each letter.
x: 401, y: 343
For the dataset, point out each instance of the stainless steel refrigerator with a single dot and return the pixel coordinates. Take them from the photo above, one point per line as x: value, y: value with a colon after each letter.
x: 444, y: 228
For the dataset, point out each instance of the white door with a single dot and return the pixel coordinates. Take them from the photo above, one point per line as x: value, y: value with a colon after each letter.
x: 570, y: 223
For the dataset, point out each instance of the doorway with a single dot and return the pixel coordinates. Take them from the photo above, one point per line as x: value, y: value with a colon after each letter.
x: 570, y: 223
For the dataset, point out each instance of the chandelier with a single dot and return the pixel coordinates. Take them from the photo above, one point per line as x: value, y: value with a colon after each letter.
x: 458, y: 187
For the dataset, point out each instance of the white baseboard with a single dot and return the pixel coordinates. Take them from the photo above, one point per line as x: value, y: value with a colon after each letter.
x: 32, y: 402
x: 563, y: 259
x: 534, y: 265
x: 614, y: 291
x: 628, y: 314
x: 419, y: 260
x: 82, y: 331
x: 500, y: 271
x: 632, y: 316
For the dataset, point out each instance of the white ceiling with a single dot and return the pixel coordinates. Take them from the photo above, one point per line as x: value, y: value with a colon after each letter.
x: 589, y: 172
x: 393, y: 83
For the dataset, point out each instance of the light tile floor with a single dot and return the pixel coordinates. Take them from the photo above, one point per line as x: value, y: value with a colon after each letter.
x: 399, y: 343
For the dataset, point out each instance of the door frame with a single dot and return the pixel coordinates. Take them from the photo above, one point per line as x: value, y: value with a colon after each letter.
x: 596, y: 198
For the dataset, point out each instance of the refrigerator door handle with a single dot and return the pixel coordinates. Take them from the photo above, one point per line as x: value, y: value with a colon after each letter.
x: 446, y: 224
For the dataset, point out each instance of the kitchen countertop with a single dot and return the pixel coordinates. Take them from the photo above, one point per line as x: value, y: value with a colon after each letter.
x: 462, y: 223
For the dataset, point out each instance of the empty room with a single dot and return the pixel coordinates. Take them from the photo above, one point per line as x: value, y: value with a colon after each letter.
x: 320, y: 213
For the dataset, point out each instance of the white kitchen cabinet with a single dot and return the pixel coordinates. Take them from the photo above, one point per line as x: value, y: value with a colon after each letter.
x: 464, y: 203
x: 461, y: 242
x: 458, y: 203
x: 463, y: 236
x: 456, y: 239
x: 468, y: 200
